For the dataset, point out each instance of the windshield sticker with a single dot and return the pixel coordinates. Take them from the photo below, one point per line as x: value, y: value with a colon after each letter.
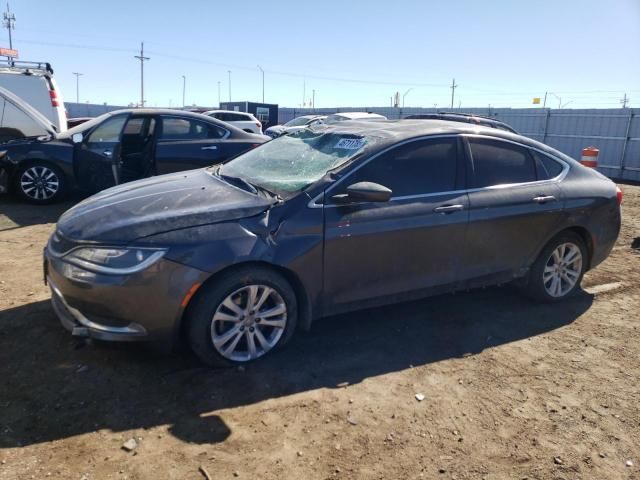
x: 350, y: 143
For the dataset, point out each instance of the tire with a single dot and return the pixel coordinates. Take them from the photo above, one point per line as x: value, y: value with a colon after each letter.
x: 547, y: 267
x: 209, y: 317
x: 47, y: 182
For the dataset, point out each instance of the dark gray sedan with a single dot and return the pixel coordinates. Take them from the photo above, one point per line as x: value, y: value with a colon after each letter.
x: 330, y: 219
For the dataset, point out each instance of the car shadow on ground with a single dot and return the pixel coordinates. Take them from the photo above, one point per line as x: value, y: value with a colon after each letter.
x: 16, y: 213
x: 53, y: 389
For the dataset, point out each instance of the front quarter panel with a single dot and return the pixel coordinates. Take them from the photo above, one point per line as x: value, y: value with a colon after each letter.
x: 288, y: 235
x: 58, y: 153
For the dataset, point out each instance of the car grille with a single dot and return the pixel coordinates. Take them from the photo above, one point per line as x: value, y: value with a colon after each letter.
x: 59, y: 244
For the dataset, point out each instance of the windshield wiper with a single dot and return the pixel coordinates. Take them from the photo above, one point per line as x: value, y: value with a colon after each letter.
x: 248, y: 186
x: 267, y: 192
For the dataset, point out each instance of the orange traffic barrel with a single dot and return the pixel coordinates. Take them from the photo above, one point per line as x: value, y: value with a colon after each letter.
x: 590, y: 157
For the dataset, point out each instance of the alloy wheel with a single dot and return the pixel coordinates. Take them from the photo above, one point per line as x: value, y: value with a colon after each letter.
x: 562, y: 270
x: 248, y: 323
x: 39, y: 183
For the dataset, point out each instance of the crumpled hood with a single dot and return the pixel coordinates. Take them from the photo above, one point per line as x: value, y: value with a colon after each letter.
x: 158, y: 204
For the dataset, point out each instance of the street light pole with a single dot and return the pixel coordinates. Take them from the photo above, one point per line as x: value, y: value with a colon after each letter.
x: 404, y: 95
x: 559, y: 99
x: 262, y: 82
x: 184, y: 87
x: 78, y: 75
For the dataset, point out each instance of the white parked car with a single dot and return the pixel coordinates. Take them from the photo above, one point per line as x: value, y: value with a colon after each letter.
x: 33, y: 82
x: 294, y: 125
x: 242, y: 120
x: 339, y: 117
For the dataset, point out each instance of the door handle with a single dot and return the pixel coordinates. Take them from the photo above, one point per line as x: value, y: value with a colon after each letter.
x: 210, y: 147
x: 448, y: 208
x: 543, y: 198
x: 107, y: 153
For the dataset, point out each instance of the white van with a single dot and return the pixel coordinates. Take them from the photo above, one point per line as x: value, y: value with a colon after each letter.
x: 33, y: 82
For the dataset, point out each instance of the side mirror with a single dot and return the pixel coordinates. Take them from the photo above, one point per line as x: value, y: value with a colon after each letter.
x: 77, y: 138
x: 364, y: 192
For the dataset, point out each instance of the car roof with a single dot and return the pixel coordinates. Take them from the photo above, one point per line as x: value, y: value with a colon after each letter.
x: 225, y: 111
x: 180, y: 113
x: 388, y: 132
x: 462, y: 117
x: 356, y: 115
x: 309, y: 116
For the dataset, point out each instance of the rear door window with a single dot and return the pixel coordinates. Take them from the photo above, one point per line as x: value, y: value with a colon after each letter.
x: 187, y: 129
x: 237, y: 117
x: 500, y: 163
x: 416, y: 168
x: 546, y: 166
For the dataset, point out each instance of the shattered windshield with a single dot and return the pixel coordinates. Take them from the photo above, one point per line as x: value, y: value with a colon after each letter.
x: 290, y: 163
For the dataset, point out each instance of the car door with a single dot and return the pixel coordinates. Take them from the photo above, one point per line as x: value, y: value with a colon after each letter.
x: 410, y: 243
x: 186, y: 143
x: 97, y: 156
x: 514, y: 207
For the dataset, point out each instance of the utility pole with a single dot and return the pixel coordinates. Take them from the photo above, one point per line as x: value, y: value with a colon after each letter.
x: 78, y: 75
x: 142, y: 59
x: 262, y: 82
x: 184, y: 87
x: 229, y: 73
x: 10, y: 24
x: 544, y: 104
x: 624, y: 101
x: 453, y: 91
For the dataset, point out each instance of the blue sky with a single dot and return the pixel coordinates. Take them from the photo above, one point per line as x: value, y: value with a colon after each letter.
x: 351, y: 52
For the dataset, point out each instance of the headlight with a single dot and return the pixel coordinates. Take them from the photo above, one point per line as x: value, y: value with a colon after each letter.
x: 117, y: 261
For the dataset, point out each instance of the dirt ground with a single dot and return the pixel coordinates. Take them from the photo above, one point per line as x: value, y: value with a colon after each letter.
x: 512, y: 389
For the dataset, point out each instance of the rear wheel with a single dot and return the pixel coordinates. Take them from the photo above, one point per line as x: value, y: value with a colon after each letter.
x: 241, y: 317
x: 558, y: 270
x: 40, y: 183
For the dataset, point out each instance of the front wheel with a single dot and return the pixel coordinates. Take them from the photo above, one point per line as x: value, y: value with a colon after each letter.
x: 558, y: 270
x: 242, y: 316
x: 40, y: 183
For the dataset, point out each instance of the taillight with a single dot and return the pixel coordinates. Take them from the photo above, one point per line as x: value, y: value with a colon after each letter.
x: 54, y: 98
x: 258, y: 124
x: 619, y: 195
